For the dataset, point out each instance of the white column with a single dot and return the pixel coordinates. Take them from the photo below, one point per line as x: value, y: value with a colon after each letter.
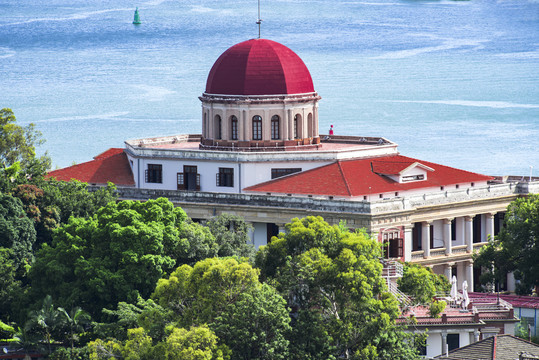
x: 266, y: 126
x: 315, y: 120
x: 461, y: 273
x: 490, y: 225
x: 469, y: 275
x: 408, y: 243
x: 447, y: 271
x: 284, y: 126
x: 305, y: 128
x: 204, y: 116
x: 447, y: 235
x: 468, y: 233
x: 444, y: 343
x: 511, y: 285
x: 476, y: 334
x: 425, y: 238
x: 245, y: 125
x: 290, y: 123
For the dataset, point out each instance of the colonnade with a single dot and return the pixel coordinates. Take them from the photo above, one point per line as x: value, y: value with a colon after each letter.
x: 452, y: 239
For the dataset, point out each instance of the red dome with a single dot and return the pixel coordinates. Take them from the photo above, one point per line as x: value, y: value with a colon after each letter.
x: 259, y: 67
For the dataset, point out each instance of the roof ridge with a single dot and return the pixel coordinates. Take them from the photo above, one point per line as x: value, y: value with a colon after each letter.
x: 494, y: 348
x: 344, y: 178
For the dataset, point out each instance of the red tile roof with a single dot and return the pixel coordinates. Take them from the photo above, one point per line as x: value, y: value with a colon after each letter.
x: 530, y: 302
x: 111, y: 165
x: 351, y: 178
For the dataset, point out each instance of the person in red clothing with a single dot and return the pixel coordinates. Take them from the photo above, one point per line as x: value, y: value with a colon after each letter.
x: 331, y: 130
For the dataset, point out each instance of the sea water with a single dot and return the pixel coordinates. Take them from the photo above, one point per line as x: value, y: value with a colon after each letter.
x: 453, y: 82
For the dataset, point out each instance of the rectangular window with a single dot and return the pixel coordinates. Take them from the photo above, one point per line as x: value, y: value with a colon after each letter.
x: 413, y: 178
x: 277, y: 173
x: 225, y: 177
x: 189, y: 179
x: 154, y: 173
x: 453, y: 341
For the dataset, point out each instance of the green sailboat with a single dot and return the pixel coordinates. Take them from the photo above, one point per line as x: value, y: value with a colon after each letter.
x: 136, y: 19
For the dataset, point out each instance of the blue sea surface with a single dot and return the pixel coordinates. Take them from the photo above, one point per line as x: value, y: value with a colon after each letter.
x: 453, y: 82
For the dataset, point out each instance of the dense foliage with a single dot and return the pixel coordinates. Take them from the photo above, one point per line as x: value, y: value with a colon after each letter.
x: 18, y: 161
x: 422, y: 284
x: 332, y: 281
x: 515, y: 249
x: 113, y: 256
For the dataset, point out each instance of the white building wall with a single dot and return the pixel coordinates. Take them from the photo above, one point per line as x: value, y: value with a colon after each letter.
x: 251, y: 173
x: 260, y: 235
x: 434, y: 344
x: 438, y: 236
x: 459, y: 237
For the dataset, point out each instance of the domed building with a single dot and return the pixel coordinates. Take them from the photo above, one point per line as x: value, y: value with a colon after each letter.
x: 259, y: 96
x: 260, y: 155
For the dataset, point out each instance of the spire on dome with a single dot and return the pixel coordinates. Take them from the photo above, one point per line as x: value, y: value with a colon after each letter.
x: 259, y: 20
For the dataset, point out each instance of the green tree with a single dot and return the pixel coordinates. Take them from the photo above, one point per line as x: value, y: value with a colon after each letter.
x: 73, y: 323
x: 231, y: 234
x: 516, y: 248
x: 336, y: 276
x: 9, y: 283
x: 198, y: 294
x: 146, y: 313
x: 197, y: 343
x: 44, y: 321
x: 16, y: 232
x: 113, y: 256
x: 199, y: 243
x: 72, y: 198
x: 422, y: 284
x: 255, y: 326
x: 18, y: 151
x: 250, y: 318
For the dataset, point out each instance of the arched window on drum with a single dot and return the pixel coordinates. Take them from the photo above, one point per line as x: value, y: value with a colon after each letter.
x: 275, y: 127
x: 233, y: 128
x: 257, y: 127
x: 218, y: 127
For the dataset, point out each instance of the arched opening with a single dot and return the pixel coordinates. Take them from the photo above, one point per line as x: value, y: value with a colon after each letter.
x: 275, y: 127
x: 233, y: 127
x: 310, y: 126
x: 257, y: 127
x: 218, y: 127
x: 297, y: 126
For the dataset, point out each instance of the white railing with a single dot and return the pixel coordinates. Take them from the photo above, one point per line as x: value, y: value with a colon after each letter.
x: 437, y: 252
x: 399, y: 295
x: 459, y: 249
x: 392, y: 269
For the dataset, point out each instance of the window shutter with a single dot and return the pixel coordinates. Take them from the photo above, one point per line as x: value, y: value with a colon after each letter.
x: 181, y: 182
x: 146, y: 176
x: 198, y: 182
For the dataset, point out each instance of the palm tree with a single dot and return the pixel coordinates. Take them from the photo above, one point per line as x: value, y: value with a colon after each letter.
x: 75, y: 321
x: 46, y: 319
